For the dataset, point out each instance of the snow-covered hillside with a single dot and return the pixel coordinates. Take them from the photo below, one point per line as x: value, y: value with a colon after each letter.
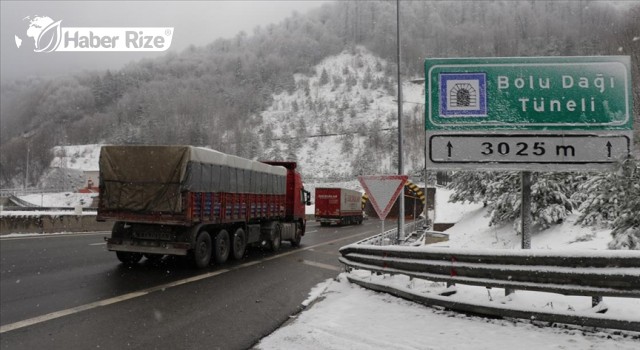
x: 78, y: 157
x: 342, y: 120
x: 67, y: 170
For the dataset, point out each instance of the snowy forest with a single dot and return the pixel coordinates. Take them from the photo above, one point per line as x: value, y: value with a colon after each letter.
x: 286, y: 91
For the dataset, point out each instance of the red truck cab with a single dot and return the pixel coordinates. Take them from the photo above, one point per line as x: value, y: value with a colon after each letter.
x: 297, y: 197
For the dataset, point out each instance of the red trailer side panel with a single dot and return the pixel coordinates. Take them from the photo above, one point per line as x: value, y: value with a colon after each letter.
x: 327, y: 202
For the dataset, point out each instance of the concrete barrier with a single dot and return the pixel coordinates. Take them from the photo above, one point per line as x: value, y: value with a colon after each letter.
x: 51, y: 224
x: 442, y: 226
x: 435, y: 237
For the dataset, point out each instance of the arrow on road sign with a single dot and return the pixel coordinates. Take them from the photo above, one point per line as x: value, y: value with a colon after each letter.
x: 383, y: 190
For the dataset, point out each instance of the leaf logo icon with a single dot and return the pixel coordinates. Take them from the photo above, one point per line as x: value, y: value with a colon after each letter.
x: 49, y: 38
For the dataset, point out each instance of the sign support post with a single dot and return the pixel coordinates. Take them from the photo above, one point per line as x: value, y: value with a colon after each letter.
x: 525, y: 211
x: 400, y: 131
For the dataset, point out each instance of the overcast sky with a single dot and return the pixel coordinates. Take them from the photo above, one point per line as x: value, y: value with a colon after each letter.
x: 195, y: 23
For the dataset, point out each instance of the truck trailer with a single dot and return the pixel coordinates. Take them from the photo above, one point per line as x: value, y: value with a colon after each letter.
x: 197, y: 202
x: 338, y: 206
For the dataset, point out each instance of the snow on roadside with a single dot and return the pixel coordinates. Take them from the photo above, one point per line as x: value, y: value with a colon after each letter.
x: 346, y: 316
x: 60, y: 200
x: 447, y: 212
x: 351, y: 317
x: 472, y: 230
x: 41, y: 213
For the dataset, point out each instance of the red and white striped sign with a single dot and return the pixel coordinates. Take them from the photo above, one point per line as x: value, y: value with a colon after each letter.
x: 383, y: 190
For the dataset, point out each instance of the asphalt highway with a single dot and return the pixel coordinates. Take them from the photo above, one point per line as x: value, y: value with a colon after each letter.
x: 69, y: 292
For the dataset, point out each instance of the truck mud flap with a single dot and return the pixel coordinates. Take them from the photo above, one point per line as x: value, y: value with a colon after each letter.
x: 169, y: 248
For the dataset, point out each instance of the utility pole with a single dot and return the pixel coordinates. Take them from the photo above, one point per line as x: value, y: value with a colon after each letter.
x: 27, y: 138
x: 26, y: 173
x: 400, y: 135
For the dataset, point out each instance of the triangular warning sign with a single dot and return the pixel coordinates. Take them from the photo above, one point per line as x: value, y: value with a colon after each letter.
x: 383, y: 191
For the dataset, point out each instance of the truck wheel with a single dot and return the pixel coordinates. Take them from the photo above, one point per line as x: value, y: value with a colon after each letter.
x: 276, y: 240
x: 129, y: 258
x: 201, y: 255
x: 295, y: 242
x: 154, y: 258
x: 239, y: 244
x: 119, y: 230
x: 221, y: 247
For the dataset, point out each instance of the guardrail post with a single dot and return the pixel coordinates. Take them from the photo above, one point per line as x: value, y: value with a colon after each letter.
x: 595, y: 301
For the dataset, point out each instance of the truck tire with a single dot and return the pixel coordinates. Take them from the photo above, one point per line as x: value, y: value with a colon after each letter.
x: 276, y: 239
x: 239, y: 244
x: 129, y: 258
x: 221, y: 247
x: 119, y: 230
x: 295, y: 242
x: 154, y: 258
x: 201, y: 254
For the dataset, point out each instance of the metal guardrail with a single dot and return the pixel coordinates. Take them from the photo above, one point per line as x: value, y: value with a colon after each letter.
x: 20, y: 203
x: 390, y: 236
x: 595, y: 274
x: 604, y: 274
x: 6, y: 192
x: 29, y: 209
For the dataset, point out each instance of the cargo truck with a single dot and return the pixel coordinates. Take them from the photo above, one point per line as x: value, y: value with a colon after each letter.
x: 338, y: 206
x: 197, y: 202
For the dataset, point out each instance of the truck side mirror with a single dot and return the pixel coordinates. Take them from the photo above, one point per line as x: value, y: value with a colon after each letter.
x: 307, y: 196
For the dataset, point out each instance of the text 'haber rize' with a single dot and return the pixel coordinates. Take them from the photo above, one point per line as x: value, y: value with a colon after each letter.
x: 133, y: 40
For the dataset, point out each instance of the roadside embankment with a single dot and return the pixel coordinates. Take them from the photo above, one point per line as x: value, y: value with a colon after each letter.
x: 50, y: 222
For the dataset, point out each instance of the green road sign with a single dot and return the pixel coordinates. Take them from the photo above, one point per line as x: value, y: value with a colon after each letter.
x: 528, y: 113
x: 529, y: 93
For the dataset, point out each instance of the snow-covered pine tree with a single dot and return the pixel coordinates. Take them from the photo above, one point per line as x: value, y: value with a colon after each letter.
x: 470, y: 186
x: 550, y: 200
x: 598, y: 196
x: 614, y: 199
x: 324, y: 77
x: 503, y: 194
x: 550, y: 196
x: 626, y: 231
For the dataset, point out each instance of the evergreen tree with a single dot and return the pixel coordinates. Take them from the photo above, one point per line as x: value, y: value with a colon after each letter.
x: 550, y: 196
x: 324, y: 77
x: 368, y: 78
x: 365, y: 163
x: 470, y: 186
x: 613, y: 199
x: 550, y: 203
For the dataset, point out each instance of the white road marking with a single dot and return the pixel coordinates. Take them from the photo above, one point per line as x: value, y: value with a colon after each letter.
x: 74, y: 310
x: 325, y: 253
x: 102, y: 243
x: 321, y: 265
x: 17, y: 236
x: 128, y: 296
